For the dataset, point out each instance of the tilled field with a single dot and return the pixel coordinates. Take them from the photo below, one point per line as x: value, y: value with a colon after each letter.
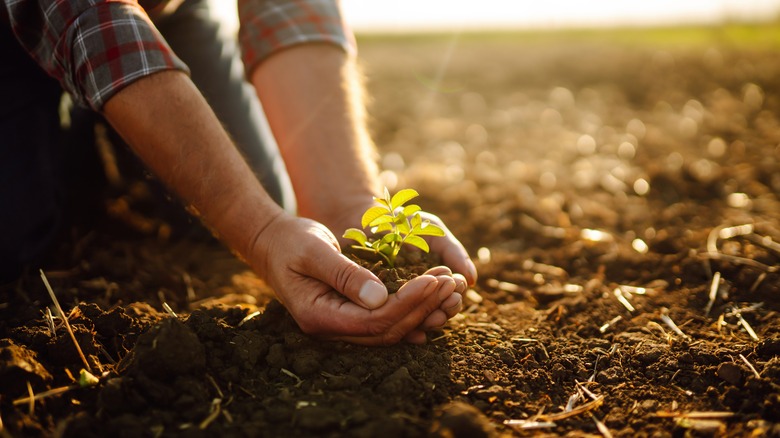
x: 621, y: 204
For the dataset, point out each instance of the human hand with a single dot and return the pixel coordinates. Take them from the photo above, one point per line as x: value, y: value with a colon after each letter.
x: 331, y: 296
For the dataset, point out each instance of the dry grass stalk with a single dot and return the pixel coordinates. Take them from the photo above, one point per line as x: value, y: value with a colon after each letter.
x: 106, y: 354
x: 765, y: 241
x: 553, y: 271
x: 573, y: 399
x: 291, y: 374
x: 750, y: 365
x: 216, y: 409
x: 576, y: 411
x: 214, y: 384
x: 761, y: 277
x: 740, y: 261
x: 704, y: 427
x: 735, y: 231
x: 31, y: 407
x: 168, y: 310
x: 622, y: 299
x: 727, y: 233
x: 249, y: 317
x: 504, y: 286
x: 636, y: 290
x: 603, y: 429
x: 745, y: 324
x: 610, y: 323
x: 671, y: 324
x: 65, y: 319
x: 188, y: 285
x: 713, y: 293
x: 50, y: 322
x: 584, y: 388
x: 529, y: 424
x: 41, y: 395
x: 695, y: 414
x: 439, y: 338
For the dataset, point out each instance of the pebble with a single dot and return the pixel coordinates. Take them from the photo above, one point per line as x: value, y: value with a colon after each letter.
x: 730, y: 372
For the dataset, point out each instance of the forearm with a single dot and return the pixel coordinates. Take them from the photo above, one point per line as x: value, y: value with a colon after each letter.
x: 166, y: 121
x: 312, y: 96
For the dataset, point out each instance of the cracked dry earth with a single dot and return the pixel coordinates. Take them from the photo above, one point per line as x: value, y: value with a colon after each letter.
x: 621, y: 204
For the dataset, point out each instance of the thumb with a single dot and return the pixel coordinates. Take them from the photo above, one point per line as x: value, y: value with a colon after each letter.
x: 358, y: 284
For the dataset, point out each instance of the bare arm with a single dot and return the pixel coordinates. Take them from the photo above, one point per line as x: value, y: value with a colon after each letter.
x: 170, y: 126
x: 312, y: 96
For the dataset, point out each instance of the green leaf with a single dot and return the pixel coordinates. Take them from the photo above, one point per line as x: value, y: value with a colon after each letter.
x: 411, y: 209
x: 387, y: 198
x: 403, y: 227
x: 428, y: 229
x: 385, y: 219
x: 381, y: 228
x: 371, y: 214
x: 418, y: 242
x: 401, y: 197
x: 382, y: 202
x: 391, y: 237
x: 416, y: 221
x: 356, y: 235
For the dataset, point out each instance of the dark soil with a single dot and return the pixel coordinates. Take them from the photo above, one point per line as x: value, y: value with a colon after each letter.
x: 579, y: 174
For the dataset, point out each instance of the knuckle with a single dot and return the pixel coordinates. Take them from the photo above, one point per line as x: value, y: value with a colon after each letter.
x: 344, y: 276
x: 377, y: 328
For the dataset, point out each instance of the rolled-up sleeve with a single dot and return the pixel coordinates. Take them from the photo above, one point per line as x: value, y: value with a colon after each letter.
x: 268, y: 26
x: 94, y: 48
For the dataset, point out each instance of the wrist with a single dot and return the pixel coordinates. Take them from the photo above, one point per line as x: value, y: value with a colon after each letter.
x: 343, y: 212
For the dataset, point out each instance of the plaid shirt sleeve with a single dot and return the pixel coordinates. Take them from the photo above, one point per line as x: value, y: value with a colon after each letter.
x: 93, y: 47
x: 268, y: 26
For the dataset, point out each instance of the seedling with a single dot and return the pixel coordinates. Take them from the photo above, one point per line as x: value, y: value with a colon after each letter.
x: 394, y: 224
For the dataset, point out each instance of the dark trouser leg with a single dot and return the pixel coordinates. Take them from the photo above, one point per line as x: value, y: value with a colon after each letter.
x: 30, y: 183
x: 217, y: 71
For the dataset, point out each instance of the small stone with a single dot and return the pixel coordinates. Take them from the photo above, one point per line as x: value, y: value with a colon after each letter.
x: 730, y: 372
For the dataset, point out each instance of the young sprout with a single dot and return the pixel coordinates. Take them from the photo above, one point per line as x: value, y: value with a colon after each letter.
x: 395, y: 225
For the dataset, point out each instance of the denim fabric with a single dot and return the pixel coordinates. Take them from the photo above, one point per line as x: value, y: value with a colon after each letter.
x: 216, y: 69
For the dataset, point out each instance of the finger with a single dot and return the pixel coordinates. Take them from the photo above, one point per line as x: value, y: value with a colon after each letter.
x: 408, y: 312
x: 445, y: 292
x: 446, y: 287
x: 358, y: 284
x: 439, y: 270
x: 460, y: 283
x: 436, y: 319
x: 452, y: 253
x: 417, y: 337
x: 452, y: 305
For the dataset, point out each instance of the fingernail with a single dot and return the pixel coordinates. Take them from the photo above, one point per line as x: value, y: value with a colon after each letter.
x: 445, y: 291
x: 431, y: 287
x: 373, y: 294
x: 472, y: 271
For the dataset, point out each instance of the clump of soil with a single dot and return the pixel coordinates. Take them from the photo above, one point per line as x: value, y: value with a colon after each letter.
x: 408, y: 265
